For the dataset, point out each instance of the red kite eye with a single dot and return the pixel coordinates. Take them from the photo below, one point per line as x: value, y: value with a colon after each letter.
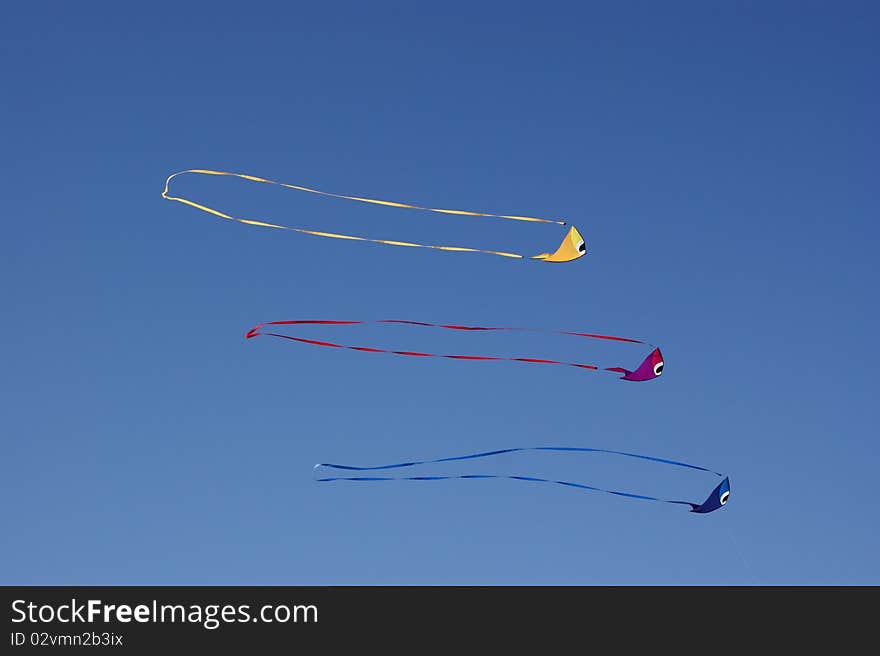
x: 658, y: 368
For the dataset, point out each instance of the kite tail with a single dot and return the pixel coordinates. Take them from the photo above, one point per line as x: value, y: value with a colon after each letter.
x: 256, y: 331
x: 531, y: 479
x: 497, y: 452
x: 487, y: 454
x: 571, y: 248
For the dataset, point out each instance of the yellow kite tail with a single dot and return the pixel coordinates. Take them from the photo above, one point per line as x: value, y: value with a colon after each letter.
x: 569, y: 250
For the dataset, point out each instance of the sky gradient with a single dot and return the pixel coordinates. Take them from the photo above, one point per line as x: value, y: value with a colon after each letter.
x: 720, y: 160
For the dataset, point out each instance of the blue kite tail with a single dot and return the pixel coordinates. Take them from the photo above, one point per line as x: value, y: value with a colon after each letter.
x: 486, y: 454
x: 533, y: 479
x: 715, y: 500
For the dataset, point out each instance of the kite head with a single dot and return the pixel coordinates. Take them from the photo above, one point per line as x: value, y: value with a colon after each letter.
x: 651, y: 368
x: 717, y: 499
x: 571, y: 248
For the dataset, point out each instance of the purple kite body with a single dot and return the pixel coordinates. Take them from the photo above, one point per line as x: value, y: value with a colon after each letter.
x: 651, y: 368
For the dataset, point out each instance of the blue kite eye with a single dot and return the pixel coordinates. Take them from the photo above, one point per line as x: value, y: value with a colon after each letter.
x: 658, y: 368
x: 723, y: 498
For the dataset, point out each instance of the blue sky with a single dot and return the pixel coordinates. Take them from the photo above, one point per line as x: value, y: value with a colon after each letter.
x: 719, y: 158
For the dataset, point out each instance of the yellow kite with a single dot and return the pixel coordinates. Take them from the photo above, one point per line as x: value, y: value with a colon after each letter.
x: 571, y: 248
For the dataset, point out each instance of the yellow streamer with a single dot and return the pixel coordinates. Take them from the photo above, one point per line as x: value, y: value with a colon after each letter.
x: 572, y: 246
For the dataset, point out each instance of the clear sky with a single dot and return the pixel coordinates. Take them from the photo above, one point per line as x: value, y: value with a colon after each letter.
x: 720, y: 159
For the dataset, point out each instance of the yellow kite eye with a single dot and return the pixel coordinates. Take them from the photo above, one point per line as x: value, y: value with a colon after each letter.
x: 658, y: 368
x: 581, y: 247
x: 723, y: 498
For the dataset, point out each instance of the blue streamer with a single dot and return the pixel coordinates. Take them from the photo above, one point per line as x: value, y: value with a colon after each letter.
x: 716, y: 499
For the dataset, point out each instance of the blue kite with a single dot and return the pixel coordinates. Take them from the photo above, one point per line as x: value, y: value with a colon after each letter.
x: 718, y: 497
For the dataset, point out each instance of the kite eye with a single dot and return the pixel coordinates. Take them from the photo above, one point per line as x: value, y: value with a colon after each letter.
x: 658, y: 368
x: 581, y: 247
x: 723, y: 498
